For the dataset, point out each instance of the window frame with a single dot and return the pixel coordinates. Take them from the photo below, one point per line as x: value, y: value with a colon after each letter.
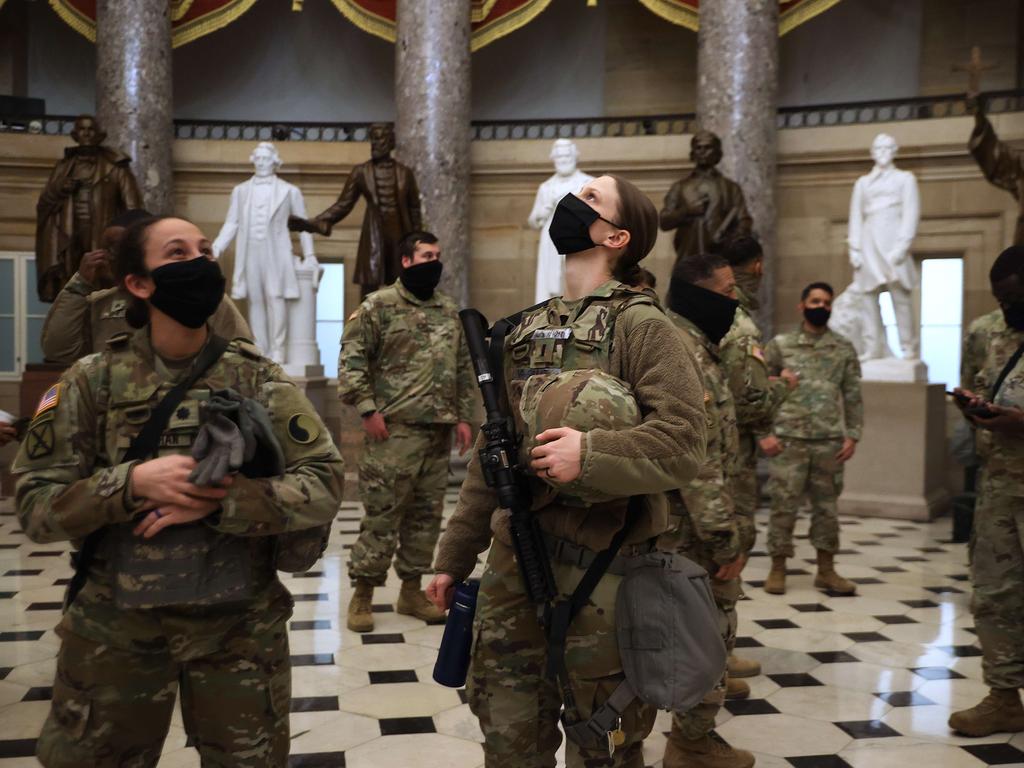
x: 22, y: 261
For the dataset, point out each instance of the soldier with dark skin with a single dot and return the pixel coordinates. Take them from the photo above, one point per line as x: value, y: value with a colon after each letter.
x: 183, y: 584
x: 997, y: 541
x: 702, y: 304
x: 405, y: 368
x: 580, y: 482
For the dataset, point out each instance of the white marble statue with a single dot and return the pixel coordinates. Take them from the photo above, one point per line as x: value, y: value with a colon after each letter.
x: 884, y: 213
x: 274, y: 280
x: 567, y: 178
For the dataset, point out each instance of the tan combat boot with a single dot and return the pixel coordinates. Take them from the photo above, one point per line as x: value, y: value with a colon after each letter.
x: 360, y: 608
x: 828, y: 579
x: 999, y: 712
x: 775, y: 584
x: 412, y: 602
x: 736, y: 690
x: 709, y: 751
x: 740, y: 667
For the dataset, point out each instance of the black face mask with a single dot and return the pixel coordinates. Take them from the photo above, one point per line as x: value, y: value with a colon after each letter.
x: 817, y: 316
x: 570, y: 226
x: 422, y: 279
x: 188, y: 291
x: 712, y: 312
x: 1013, y: 314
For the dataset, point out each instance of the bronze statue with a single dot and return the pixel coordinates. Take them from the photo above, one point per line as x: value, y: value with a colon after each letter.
x: 392, y: 211
x: 89, y: 187
x: 1002, y: 165
x: 706, y: 208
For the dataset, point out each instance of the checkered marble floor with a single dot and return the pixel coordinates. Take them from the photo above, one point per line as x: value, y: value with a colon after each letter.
x: 865, y: 681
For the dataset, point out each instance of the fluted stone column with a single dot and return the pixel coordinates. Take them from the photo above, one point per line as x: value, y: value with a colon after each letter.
x: 134, y: 91
x: 737, y: 98
x: 432, y: 130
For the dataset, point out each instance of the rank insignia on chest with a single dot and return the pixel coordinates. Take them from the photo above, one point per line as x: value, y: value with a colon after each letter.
x: 49, y: 400
x: 40, y: 440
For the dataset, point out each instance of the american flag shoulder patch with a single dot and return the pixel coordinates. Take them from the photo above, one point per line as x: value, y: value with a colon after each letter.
x: 757, y: 352
x: 49, y: 400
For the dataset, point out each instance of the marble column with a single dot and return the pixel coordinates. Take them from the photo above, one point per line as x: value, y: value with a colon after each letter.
x: 432, y: 127
x: 134, y: 91
x: 737, y: 98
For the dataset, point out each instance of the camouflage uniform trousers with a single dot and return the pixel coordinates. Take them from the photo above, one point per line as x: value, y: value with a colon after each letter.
x: 401, y: 482
x: 805, y: 471
x: 517, y: 705
x: 700, y: 720
x: 744, y: 491
x: 112, y: 707
x: 997, y: 573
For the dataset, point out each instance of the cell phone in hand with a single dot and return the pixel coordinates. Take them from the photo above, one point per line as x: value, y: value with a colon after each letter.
x: 981, y: 411
x: 961, y: 399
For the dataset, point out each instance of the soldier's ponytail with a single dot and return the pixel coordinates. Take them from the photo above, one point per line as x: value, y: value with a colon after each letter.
x: 639, y: 217
x: 130, y: 259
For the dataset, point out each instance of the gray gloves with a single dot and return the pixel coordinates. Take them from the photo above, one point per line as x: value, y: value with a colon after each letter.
x: 237, y: 434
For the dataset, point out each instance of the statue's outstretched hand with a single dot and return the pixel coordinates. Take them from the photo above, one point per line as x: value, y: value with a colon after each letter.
x: 856, y: 260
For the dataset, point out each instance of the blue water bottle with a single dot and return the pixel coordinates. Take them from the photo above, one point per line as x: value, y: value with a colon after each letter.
x: 453, y: 656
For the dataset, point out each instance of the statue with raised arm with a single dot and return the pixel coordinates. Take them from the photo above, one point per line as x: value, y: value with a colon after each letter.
x: 884, y: 213
x: 90, y: 186
x: 392, y: 211
x: 566, y: 179
x: 706, y: 209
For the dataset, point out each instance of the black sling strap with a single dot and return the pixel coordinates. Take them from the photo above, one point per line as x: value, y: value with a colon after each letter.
x: 143, y: 446
x: 1010, y: 365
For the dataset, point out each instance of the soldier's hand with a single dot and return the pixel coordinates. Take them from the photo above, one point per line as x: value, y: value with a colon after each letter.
x: 7, y: 433
x: 560, y: 456
x: 847, y: 451
x: 164, y: 481
x: 770, y: 446
x: 791, y: 378
x: 165, y: 515
x: 732, y: 570
x: 463, y: 437
x: 1007, y: 420
x: 375, y: 427
x: 441, y: 590
x: 95, y: 269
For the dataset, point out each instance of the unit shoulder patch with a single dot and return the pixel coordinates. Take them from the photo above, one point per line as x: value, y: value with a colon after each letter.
x: 302, y: 428
x: 40, y: 439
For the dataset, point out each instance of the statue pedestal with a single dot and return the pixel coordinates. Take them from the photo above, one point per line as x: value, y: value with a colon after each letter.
x: 894, y: 369
x: 897, y: 471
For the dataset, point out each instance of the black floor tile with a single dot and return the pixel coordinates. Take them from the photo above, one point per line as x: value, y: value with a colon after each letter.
x: 867, y: 729
x: 7, y: 595
x: 944, y: 590
x: 818, y: 761
x: 794, y: 680
x: 912, y: 559
x: 960, y: 651
x: 384, y: 608
x: 937, y: 673
x: 811, y: 608
x: 886, y: 536
x: 904, y: 699
x: 382, y: 639
x: 960, y: 577
x: 758, y: 583
x: 797, y: 572
x: 318, y: 760
x: 8, y: 637
x: 315, y: 704
x: 748, y: 642
x: 39, y: 694
x: 315, y: 624
x: 18, y: 748
x: 45, y: 606
x: 834, y: 657
x: 995, y: 754
x: 920, y: 603
x: 393, y: 676
x: 23, y: 572
x: 396, y: 726
x: 867, y: 580
x: 777, y: 624
x: 4, y: 672
x: 45, y: 554
x: 308, y: 575
x: 868, y: 543
x: 319, y: 597
x: 312, y: 659
x: 890, y: 569
x: 62, y: 582
x: 896, y: 620
x: 865, y: 637
x: 751, y: 707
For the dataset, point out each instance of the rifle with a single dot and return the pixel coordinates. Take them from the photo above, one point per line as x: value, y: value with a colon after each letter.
x: 499, y: 457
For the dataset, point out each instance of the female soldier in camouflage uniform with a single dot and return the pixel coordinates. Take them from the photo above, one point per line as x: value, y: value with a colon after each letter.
x: 600, y: 324
x: 183, y: 584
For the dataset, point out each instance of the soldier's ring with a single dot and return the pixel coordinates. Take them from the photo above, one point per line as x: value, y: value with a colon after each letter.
x: 158, y: 513
x: 547, y: 472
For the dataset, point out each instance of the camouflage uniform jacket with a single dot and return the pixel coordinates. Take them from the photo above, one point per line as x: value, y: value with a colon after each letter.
x: 742, y: 358
x: 82, y: 320
x: 707, y: 502
x: 1002, y: 455
x: 73, y: 479
x: 980, y: 333
x: 827, y: 404
x: 407, y: 359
